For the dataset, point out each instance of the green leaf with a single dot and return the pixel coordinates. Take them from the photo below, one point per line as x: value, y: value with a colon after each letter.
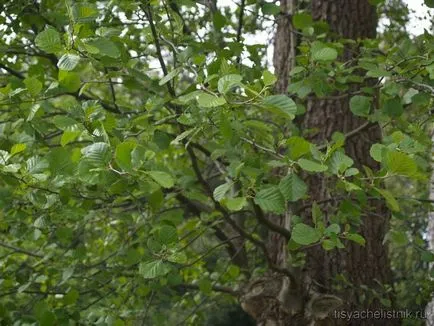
x: 235, y: 204
x: 429, y: 3
x: 339, y: 162
x: 47, y: 318
x: 351, y: 172
x: 333, y: 229
x: 68, y: 137
x: 270, y: 8
x: 427, y: 256
x: 268, y: 78
x: 357, y: 238
x: 162, y: 178
x: 70, y: 80
x: 154, y: 269
x: 33, y: 85
x: 430, y: 68
x: 182, y: 136
x: 18, y: 148
x: 271, y: 200
x: 328, y: 244
x: 399, y: 238
x: 169, y: 76
x: 36, y: 165
x: 64, y: 122
x: 167, y: 234
x: 123, y: 155
x: 184, y: 99
x: 97, y: 154
x: 219, y: 20
x: 205, y: 286
x: 60, y: 161
x: 179, y: 257
x: 390, y: 200
x: 302, y: 20
x: 316, y: 213
x: 206, y: 100
x: 304, y: 234
x: 298, y: 147
x: 296, y: 70
x: 227, y: 82
x: 400, y: 164
x: 85, y: 12
x: 282, y: 103
x: 292, y: 187
x: 376, y: 152
x: 360, y: 105
x: 49, y: 41
x: 311, y: 166
x: 67, y: 273
x: 376, y: 2
x: 105, y: 47
x: 393, y: 107
x: 68, y: 62
x: 321, y: 52
x: 71, y: 297
x: 220, y: 191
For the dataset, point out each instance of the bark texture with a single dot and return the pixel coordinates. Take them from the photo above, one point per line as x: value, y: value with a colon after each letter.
x: 284, y: 45
x: 274, y: 300
x: 361, y: 266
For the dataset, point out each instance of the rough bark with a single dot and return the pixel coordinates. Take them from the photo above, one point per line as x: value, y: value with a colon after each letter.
x: 284, y: 45
x: 361, y: 266
x: 274, y: 300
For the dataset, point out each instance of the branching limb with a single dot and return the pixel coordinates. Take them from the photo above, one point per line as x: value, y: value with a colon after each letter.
x: 20, y: 250
x: 259, y: 214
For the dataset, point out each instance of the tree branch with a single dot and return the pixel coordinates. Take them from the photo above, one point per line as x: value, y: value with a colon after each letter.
x: 112, y: 91
x: 12, y: 71
x: 20, y: 250
x: 265, y: 149
x: 216, y: 288
x: 260, y: 244
x: 240, y: 26
x: 148, y: 13
x: 354, y: 132
x: 264, y: 221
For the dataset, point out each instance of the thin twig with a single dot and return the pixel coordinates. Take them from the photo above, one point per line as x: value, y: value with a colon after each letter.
x: 265, y: 149
x: 112, y: 90
x: 148, y: 13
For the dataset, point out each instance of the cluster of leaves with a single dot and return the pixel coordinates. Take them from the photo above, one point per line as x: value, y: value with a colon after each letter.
x: 117, y: 180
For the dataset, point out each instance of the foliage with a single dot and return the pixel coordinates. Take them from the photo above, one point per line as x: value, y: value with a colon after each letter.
x: 130, y: 135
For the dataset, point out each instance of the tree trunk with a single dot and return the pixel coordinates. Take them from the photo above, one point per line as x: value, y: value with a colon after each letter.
x: 429, y: 311
x: 310, y: 299
x: 361, y: 266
